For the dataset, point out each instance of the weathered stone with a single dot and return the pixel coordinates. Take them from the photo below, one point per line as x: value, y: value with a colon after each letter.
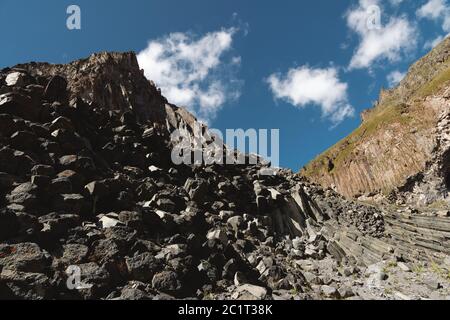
x: 346, y: 292
x: 73, y: 254
x: 9, y: 224
x: 131, y: 219
x: 60, y: 186
x: 142, y: 267
x: 329, y: 291
x: 94, y: 278
x: 104, y: 250
x: 236, y: 222
x: 249, y: 292
x: 26, y: 257
x: 43, y: 170
x: 70, y: 203
x: 196, y: 188
x: 403, y: 266
x: 166, y: 205
x: 61, y: 123
x: 108, y: 222
x: 27, y: 285
x: 56, y: 89
x: 56, y: 225
x: 432, y: 283
x: 239, y: 278
x: 19, y: 105
x: 7, y: 125
x: 166, y: 281
x: 218, y: 235
x: 25, y: 194
x: 24, y: 140
x: 15, y: 79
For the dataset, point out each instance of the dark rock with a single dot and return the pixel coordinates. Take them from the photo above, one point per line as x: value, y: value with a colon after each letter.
x: 57, y: 225
x: 72, y: 254
x: 24, y: 140
x: 56, y: 89
x: 131, y: 219
x: 105, y: 250
x: 27, y: 285
x: 42, y: 182
x: 25, y: 194
x: 26, y: 257
x: 60, y: 185
x: 166, y: 281
x: 95, y: 280
x: 9, y: 224
x: 19, y: 105
x: 43, y: 170
x: 7, y: 125
x: 14, y: 162
x: 142, y: 267
x: 197, y: 189
x: 70, y: 203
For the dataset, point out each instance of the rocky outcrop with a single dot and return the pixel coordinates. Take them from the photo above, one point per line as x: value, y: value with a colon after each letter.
x: 92, y: 206
x: 400, y: 145
x: 111, y: 80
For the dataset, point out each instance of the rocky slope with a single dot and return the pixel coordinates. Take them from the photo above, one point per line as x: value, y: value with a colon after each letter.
x: 401, y: 148
x: 92, y: 207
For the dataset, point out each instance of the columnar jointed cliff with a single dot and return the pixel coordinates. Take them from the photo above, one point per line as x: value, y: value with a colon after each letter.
x: 401, y: 145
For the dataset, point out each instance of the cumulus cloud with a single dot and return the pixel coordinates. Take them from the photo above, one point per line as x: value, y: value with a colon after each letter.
x: 377, y: 41
x: 194, y: 71
x: 321, y: 87
x: 433, y: 9
x: 437, y: 10
x: 396, y: 3
x: 395, y: 77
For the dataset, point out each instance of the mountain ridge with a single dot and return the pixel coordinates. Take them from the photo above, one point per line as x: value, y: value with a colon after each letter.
x: 396, y: 139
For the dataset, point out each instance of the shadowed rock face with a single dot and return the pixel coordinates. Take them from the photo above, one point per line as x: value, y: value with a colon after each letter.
x: 110, y: 80
x: 399, y: 149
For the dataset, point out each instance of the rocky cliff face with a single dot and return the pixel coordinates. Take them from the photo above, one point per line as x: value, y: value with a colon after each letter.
x: 92, y: 207
x: 111, y: 80
x: 400, y: 150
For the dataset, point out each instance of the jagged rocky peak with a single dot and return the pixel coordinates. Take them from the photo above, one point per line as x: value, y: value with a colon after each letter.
x: 109, y: 80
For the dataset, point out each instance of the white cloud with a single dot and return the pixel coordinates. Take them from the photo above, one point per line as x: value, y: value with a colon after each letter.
x: 378, y: 42
x: 395, y: 3
x: 395, y: 77
x: 193, y: 71
x: 433, y: 9
x: 437, y: 10
x: 322, y: 87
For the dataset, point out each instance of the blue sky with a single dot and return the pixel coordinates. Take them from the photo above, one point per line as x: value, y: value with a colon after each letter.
x: 305, y: 67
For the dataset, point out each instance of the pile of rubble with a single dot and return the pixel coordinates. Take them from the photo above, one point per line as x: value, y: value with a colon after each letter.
x: 92, y: 206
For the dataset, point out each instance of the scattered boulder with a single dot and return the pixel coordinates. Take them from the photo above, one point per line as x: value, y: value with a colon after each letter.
x: 143, y: 267
x: 9, y: 224
x: 166, y: 282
